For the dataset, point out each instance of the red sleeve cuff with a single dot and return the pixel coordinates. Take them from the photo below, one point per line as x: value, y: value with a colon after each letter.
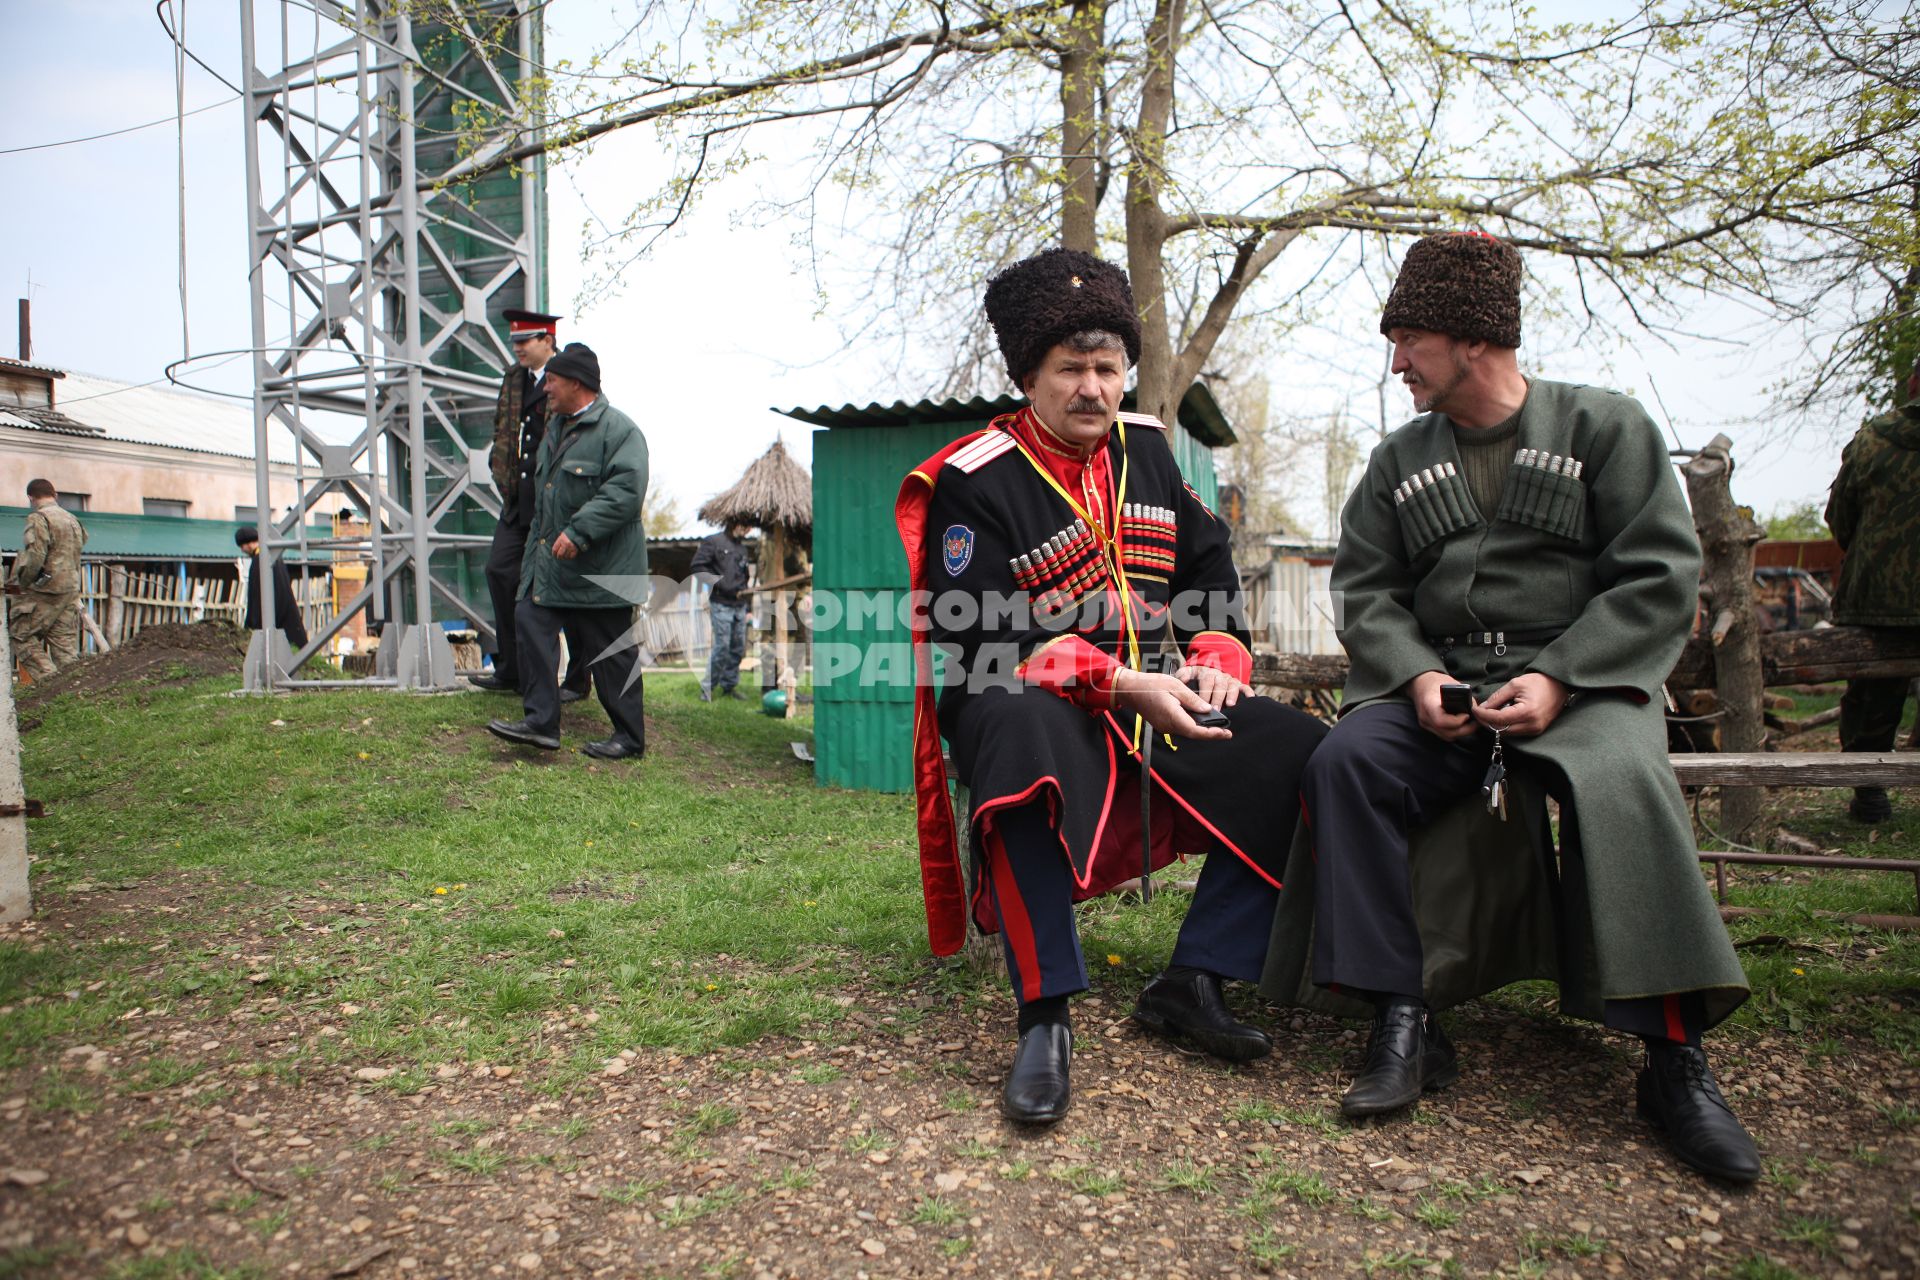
x: 1073, y: 669
x: 1218, y: 649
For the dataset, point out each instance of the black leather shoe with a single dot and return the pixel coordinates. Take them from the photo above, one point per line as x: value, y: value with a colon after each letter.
x: 523, y: 733
x: 1870, y: 805
x: 734, y: 693
x: 614, y: 749
x: 1677, y: 1095
x: 1407, y: 1053
x: 493, y: 683
x: 1189, y: 1007
x: 571, y: 695
x: 1037, y: 1089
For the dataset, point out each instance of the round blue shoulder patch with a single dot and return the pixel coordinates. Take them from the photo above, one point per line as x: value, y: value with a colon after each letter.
x: 956, y: 548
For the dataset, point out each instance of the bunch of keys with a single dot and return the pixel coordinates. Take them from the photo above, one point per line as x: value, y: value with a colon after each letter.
x: 1494, y: 788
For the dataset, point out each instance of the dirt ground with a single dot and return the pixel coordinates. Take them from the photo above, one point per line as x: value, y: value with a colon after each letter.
x: 885, y: 1156
x: 180, y: 651
x: 184, y: 1143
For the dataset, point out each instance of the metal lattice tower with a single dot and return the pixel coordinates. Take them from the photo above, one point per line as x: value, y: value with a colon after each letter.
x: 378, y: 274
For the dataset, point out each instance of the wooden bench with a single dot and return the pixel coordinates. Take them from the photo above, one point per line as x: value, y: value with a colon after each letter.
x: 1806, y: 769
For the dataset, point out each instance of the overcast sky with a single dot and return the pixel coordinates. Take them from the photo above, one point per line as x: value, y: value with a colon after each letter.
x: 721, y: 323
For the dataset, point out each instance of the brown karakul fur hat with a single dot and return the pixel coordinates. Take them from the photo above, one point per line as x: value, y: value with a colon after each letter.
x: 1462, y: 283
x: 1036, y: 303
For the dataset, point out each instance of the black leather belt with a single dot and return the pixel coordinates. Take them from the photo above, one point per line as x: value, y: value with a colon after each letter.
x: 1497, y: 640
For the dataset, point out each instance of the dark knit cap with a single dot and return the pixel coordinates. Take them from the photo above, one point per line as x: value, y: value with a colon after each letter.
x: 244, y: 534
x: 1037, y: 303
x: 1462, y: 283
x: 579, y: 363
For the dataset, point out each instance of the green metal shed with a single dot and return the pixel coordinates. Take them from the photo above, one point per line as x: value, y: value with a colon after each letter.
x: 863, y: 662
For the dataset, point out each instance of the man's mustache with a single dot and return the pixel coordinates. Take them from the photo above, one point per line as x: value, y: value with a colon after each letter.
x: 1084, y: 405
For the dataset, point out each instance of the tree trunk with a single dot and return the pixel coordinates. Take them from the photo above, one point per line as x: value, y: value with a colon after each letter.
x: 1146, y: 220
x: 1727, y: 536
x: 1080, y: 74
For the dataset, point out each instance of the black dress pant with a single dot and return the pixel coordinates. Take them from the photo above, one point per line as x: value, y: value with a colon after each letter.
x: 602, y: 647
x: 508, y: 549
x: 1225, y: 932
x: 1376, y: 777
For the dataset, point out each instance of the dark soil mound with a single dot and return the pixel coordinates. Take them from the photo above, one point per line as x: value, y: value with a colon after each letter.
x: 166, y: 651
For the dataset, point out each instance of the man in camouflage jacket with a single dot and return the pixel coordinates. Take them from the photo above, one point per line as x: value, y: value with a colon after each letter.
x: 1874, y: 512
x: 44, y: 621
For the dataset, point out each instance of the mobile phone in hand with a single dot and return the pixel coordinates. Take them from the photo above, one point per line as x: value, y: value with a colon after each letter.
x: 1456, y: 699
x: 1211, y: 718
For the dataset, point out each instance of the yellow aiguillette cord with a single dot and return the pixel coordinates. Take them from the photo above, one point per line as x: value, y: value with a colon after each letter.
x: 1110, y: 547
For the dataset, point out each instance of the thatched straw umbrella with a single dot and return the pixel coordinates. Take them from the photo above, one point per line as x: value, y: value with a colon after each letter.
x: 776, y: 495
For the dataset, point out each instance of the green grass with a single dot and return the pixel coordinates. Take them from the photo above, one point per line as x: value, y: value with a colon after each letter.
x: 35, y: 1260
x: 1184, y: 1175
x: 1307, y: 1188
x: 1438, y: 1217
x: 632, y: 1192
x: 1815, y: 1231
x: 1089, y: 1181
x: 1757, y: 1266
x: 180, y: 1264
x: 453, y: 876
x: 937, y: 1211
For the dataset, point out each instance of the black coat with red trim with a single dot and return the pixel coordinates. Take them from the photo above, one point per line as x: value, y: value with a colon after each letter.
x: 1023, y: 609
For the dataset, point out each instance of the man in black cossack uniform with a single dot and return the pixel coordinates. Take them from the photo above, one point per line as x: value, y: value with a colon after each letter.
x: 1088, y: 610
x: 519, y: 425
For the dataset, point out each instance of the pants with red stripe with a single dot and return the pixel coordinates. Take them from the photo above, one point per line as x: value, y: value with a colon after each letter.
x: 1030, y: 883
x: 1377, y: 776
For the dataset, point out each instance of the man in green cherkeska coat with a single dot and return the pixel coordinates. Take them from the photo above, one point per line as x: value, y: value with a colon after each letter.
x: 586, y: 562
x: 1528, y: 539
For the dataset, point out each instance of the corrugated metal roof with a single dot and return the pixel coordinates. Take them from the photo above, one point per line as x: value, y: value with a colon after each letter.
x: 8, y: 362
x: 167, y: 416
x: 1199, y: 413
x: 116, y: 536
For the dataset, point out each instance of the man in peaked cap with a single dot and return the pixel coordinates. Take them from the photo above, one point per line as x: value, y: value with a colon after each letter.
x: 1526, y: 539
x: 1090, y: 603
x: 43, y: 614
x: 519, y: 425
x: 586, y: 564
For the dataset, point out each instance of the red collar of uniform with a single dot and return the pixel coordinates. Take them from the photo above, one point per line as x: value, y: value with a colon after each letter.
x: 1072, y: 472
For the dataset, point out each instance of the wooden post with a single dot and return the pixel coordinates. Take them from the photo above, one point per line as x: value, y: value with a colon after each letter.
x: 1727, y: 537
x: 117, y: 603
x: 776, y: 572
x: 15, y: 901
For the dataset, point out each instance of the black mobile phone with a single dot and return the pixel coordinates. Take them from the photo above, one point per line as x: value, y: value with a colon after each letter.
x: 1456, y: 699
x: 1211, y: 718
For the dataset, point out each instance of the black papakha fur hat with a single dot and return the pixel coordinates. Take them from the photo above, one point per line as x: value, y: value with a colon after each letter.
x: 1038, y: 302
x: 579, y: 363
x: 1462, y: 283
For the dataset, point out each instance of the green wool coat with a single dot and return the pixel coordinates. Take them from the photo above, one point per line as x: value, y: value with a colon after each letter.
x: 1874, y: 512
x: 591, y: 485
x: 1605, y: 555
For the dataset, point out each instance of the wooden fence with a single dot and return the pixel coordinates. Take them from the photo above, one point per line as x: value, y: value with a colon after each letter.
x: 119, y: 601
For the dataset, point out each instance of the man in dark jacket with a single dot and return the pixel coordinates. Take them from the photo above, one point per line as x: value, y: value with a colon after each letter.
x: 586, y: 562
x: 722, y: 560
x: 1088, y: 602
x: 1874, y: 512
x: 286, y: 611
x: 519, y: 424
x: 1526, y: 539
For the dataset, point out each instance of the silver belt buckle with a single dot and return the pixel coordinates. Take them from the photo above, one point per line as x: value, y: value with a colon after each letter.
x: 1499, y: 644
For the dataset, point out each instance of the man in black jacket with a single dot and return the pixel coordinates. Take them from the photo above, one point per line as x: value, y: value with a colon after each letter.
x: 723, y: 561
x: 519, y: 425
x: 286, y: 611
